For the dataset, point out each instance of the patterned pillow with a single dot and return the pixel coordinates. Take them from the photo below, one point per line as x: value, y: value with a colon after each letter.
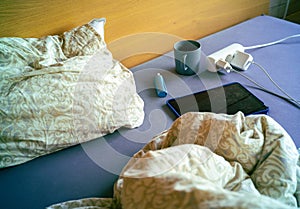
x: 83, y: 40
x: 58, y: 91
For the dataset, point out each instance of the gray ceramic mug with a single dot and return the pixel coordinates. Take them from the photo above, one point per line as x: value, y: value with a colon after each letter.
x: 187, y: 55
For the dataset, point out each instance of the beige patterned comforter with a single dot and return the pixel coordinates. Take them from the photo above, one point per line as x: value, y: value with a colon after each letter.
x: 58, y: 91
x: 208, y: 160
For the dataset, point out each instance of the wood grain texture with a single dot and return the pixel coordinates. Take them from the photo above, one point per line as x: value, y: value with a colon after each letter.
x: 136, y: 30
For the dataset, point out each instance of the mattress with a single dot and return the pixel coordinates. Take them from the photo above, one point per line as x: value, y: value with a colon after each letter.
x: 91, y: 169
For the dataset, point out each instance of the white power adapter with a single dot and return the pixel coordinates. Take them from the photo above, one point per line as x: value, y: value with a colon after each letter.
x: 241, y: 60
x: 230, y: 56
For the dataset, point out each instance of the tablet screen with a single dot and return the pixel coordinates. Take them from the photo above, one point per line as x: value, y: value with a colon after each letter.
x: 229, y: 99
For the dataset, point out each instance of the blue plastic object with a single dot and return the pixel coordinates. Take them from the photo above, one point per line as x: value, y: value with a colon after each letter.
x: 160, y: 86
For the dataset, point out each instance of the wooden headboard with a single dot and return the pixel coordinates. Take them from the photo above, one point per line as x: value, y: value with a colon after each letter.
x: 136, y: 30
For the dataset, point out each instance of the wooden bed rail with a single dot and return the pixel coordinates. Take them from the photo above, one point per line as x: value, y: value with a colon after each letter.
x: 136, y: 30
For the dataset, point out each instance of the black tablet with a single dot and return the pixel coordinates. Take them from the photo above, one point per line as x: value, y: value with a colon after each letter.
x: 229, y: 99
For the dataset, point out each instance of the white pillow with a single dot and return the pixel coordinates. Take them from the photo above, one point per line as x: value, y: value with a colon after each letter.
x: 98, y: 25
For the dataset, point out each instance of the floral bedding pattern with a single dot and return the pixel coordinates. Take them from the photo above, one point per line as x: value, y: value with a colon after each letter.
x: 208, y: 160
x: 61, y: 90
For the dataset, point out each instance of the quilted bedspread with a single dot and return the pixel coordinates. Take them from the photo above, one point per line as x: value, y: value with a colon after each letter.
x: 208, y: 160
x: 61, y: 90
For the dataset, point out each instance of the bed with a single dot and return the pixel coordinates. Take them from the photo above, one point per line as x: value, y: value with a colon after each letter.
x: 87, y: 171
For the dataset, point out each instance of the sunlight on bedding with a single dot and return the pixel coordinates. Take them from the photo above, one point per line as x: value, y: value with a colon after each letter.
x: 62, y: 90
x: 208, y: 160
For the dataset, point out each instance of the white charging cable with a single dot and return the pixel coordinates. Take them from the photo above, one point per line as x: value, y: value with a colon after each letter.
x: 271, y: 43
x: 271, y: 79
x: 288, y: 98
x: 234, y: 57
x: 267, y: 74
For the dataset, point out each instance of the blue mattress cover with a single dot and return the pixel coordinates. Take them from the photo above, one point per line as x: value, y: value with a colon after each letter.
x: 90, y: 169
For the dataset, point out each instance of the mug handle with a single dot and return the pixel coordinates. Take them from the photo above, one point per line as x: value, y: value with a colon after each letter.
x: 184, y: 61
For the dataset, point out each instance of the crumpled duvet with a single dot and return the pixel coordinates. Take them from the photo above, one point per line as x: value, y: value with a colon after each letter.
x: 208, y: 160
